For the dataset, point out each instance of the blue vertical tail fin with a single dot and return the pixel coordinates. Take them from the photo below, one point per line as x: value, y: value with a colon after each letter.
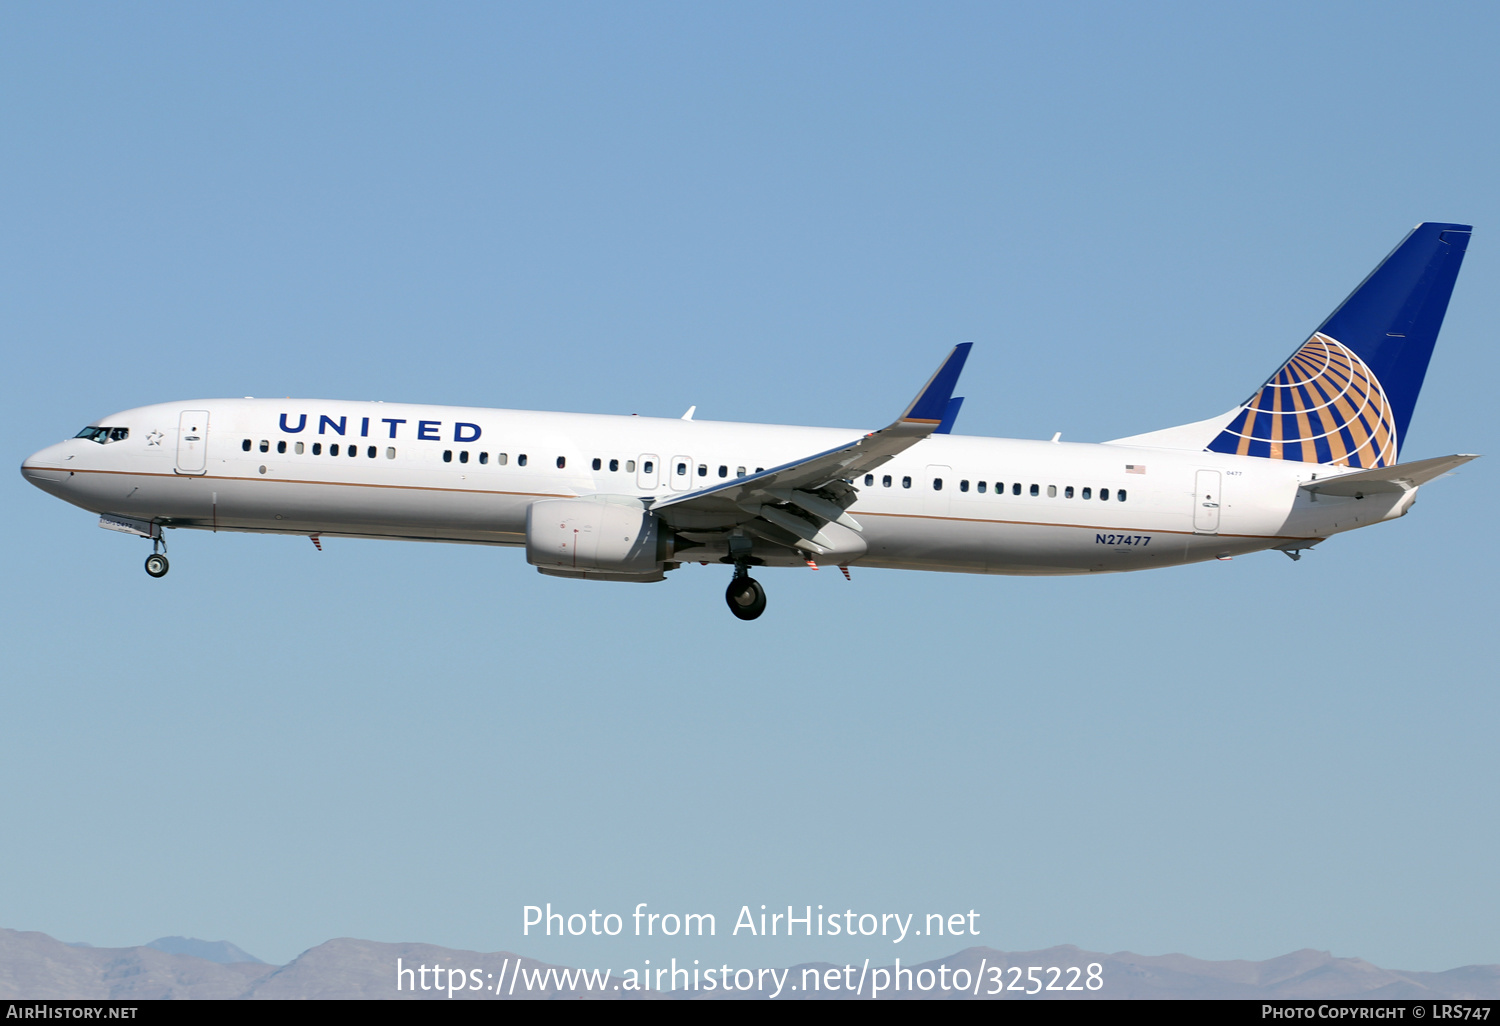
x: 1347, y: 395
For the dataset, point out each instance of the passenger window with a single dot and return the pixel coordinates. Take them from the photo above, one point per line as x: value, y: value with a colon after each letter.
x: 265, y: 446
x: 682, y: 470
x: 484, y: 458
x: 648, y: 467
x: 629, y: 466
x: 614, y: 465
x: 1068, y: 492
x: 447, y: 455
x: 937, y: 484
x: 333, y: 450
x: 981, y: 488
x: 869, y: 480
x: 1052, y: 491
x: 885, y: 482
x: 245, y: 445
x: 1120, y: 495
x: 562, y: 461
x: 521, y: 460
x: 390, y: 452
x: 598, y: 464
x: 463, y: 457
x: 739, y: 471
x: 298, y: 447
x: 963, y: 485
x: 353, y: 450
x: 317, y: 448
x: 703, y: 470
x: 370, y: 452
x: 1104, y: 495
x: 1015, y: 489
x: 723, y: 470
x: 1088, y: 493
x: 1035, y: 491
x: 281, y: 445
x: 906, y: 482
x: 501, y: 459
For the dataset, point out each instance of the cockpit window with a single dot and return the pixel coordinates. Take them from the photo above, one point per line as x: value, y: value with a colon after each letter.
x: 104, y: 435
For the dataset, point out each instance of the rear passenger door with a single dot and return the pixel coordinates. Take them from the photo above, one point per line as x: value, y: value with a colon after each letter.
x: 1206, y: 503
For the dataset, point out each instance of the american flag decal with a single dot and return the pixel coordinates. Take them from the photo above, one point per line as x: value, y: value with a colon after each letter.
x: 1135, y: 468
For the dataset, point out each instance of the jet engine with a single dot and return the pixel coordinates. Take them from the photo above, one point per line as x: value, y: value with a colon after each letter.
x: 599, y: 538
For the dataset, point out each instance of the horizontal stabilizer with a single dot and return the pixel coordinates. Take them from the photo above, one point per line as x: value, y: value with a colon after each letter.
x: 1400, y: 478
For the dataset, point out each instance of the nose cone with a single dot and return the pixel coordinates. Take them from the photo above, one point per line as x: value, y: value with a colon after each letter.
x: 45, y: 467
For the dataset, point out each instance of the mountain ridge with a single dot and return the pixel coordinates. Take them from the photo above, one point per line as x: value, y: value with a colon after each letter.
x: 34, y: 966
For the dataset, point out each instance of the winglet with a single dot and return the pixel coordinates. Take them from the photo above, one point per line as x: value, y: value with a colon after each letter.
x: 931, y: 404
x: 954, y: 405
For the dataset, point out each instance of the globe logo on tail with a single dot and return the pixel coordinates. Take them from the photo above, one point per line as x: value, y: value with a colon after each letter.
x: 1324, y: 405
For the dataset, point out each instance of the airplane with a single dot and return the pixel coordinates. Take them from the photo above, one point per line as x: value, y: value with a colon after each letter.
x: 1313, y: 452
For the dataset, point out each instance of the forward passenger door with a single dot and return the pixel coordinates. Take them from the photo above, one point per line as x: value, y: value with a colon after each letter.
x: 192, y: 442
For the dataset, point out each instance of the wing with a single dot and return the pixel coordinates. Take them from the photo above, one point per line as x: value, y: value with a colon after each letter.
x: 792, y: 504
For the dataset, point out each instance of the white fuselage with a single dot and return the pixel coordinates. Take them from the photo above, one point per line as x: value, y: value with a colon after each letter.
x: 459, y: 474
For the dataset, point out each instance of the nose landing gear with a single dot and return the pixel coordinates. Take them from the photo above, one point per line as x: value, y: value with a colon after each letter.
x: 156, y: 563
x: 745, y: 597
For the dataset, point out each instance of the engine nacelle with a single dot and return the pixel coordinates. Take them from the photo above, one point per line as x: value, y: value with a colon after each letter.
x: 604, y: 537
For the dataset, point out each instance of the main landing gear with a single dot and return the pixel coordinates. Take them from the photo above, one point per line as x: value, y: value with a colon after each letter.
x: 745, y: 596
x: 156, y: 563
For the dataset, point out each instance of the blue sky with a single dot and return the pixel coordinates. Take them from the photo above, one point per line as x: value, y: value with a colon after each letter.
x: 779, y: 213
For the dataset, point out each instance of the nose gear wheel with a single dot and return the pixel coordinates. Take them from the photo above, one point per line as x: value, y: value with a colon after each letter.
x: 745, y: 597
